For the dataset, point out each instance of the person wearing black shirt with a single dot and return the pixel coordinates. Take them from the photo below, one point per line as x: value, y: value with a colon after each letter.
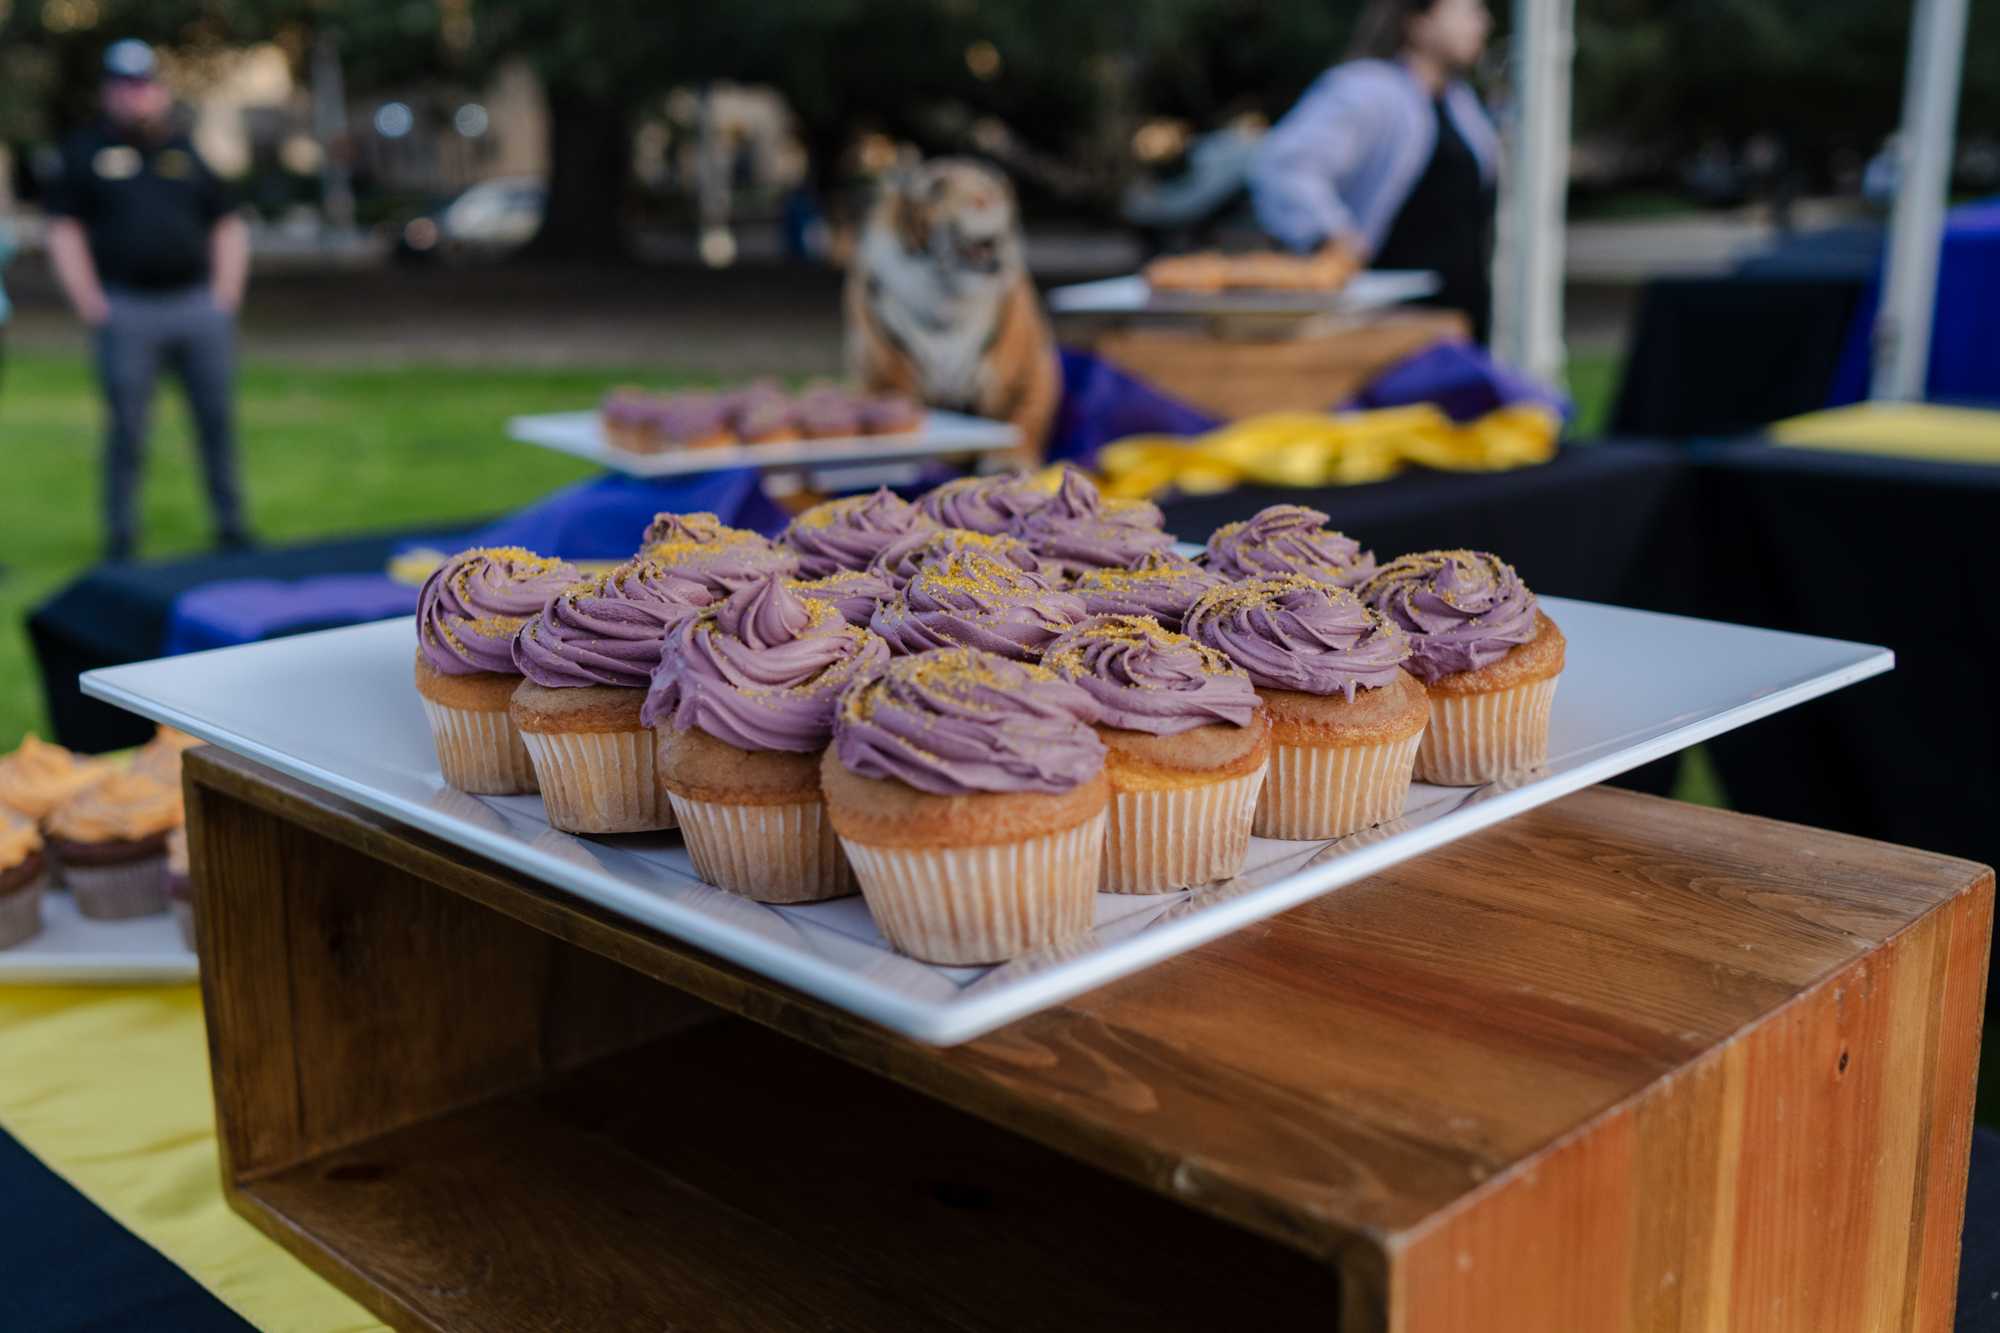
x: 151, y: 252
x: 1390, y: 157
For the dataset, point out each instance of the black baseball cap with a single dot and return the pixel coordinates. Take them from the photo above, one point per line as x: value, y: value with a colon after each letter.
x: 130, y: 58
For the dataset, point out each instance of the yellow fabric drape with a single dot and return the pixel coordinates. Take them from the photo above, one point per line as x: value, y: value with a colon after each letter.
x: 109, y: 1087
x: 1312, y: 449
x: 1898, y: 430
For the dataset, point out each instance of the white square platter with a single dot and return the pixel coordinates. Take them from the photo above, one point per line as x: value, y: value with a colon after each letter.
x: 941, y: 433
x: 337, y: 710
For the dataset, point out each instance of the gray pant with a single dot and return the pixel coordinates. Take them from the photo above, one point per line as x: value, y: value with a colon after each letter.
x: 186, y: 331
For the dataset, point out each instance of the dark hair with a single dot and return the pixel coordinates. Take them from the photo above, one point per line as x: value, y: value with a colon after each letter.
x: 1382, y: 31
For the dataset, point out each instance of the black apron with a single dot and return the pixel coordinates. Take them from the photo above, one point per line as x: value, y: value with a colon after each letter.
x: 1446, y: 225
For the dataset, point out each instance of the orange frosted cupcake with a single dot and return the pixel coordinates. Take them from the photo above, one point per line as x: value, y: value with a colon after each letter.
x: 180, y: 885
x: 969, y: 793
x: 1186, y: 744
x: 160, y: 757
x: 1346, y: 719
x: 38, y: 777
x: 1489, y: 659
x: 111, y: 838
x: 23, y: 876
x: 467, y: 616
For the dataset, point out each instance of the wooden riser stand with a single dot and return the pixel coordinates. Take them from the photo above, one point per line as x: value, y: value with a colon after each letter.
x: 1617, y: 1064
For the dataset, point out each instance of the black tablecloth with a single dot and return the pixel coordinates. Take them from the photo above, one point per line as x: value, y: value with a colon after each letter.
x: 115, y: 614
x: 1718, y: 356
x: 65, y: 1267
x: 1885, y: 551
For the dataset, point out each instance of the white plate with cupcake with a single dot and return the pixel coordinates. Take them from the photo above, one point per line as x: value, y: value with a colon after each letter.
x: 650, y: 433
x: 93, y: 867
x: 944, y: 763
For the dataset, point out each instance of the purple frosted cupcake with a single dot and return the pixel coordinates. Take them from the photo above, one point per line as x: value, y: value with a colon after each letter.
x: 1486, y: 652
x: 1288, y: 539
x: 969, y: 600
x: 1346, y: 719
x: 700, y: 549
x: 625, y: 415
x: 588, y: 658
x: 891, y: 414
x: 902, y: 558
x: 849, y: 533
x: 759, y: 413
x: 1186, y: 742
x: 687, y: 421
x: 993, y: 504
x: 467, y: 615
x: 1077, y: 530
x: 855, y: 593
x: 742, y: 704
x: 827, y: 413
x: 969, y: 794
x: 1162, y: 584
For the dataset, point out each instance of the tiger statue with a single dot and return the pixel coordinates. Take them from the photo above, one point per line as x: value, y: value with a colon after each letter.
x: 939, y: 305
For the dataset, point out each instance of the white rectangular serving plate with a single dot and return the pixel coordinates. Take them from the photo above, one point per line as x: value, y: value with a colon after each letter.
x: 582, y: 434
x: 338, y: 710
x: 74, y: 950
x: 1373, y: 289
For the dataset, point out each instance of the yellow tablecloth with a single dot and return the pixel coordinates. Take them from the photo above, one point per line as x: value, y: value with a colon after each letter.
x: 1898, y: 430
x: 109, y: 1088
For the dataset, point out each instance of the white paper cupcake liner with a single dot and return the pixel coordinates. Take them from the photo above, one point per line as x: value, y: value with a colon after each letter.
x: 480, y: 752
x: 967, y: 905
x: 21, y: 912
x: 1158, y: 841
x: 114, y: 892
x: 1325, y: 791
x: 1476, y: 738
x: 599, y: 781
x: 771, y: 853
x: 183, y: 911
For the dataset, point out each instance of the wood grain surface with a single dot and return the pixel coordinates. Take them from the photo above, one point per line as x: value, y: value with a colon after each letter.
x: 1618, y: 1063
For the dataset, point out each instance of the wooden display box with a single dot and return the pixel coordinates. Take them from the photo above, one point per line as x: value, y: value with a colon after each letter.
x: 1619, y: 1063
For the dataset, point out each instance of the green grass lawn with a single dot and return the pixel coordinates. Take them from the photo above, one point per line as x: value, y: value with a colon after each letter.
x: 324, y: 452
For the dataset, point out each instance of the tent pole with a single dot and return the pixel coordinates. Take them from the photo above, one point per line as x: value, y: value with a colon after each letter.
x: 1916, y: 229
x: 1530, y: 332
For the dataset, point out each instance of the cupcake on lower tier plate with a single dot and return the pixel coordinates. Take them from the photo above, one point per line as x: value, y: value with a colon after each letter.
x: 467, y: 615
x: 587, y: 659
x: 970, y: 795
x: 1187, y: 744
x: 1487, y: 655
x: 37, y: 777
x: 1346, y: 719
x: 741, y: 705
x: 160, y: 757
x: 180, y: 885
x: 23, y: 876
x: 111, y: 839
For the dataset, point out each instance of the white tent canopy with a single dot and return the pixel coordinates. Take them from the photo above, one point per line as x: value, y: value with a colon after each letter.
x: 1528, y: 331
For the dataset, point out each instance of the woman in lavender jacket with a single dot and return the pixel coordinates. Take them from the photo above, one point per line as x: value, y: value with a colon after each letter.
x: 1390, y: 155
